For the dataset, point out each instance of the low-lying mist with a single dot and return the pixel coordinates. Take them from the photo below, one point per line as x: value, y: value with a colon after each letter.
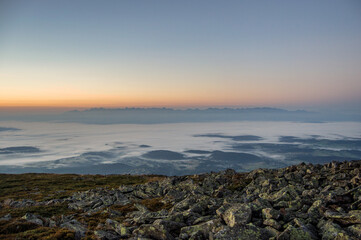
x: 172, y: 149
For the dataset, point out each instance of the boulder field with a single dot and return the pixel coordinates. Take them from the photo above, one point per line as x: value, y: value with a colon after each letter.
x: 303, y: 201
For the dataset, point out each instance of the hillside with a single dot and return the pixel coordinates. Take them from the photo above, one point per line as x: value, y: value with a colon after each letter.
x: 304, y: 201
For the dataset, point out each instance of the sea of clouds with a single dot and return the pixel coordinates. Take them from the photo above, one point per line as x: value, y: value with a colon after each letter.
x: 153, y: 148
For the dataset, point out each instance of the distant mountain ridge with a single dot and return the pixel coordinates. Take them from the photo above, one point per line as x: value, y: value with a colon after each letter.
x: 211, y: 109
x: 171, y: 115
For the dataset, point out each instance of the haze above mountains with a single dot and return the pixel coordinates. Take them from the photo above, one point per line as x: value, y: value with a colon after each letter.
x: 170, y: 115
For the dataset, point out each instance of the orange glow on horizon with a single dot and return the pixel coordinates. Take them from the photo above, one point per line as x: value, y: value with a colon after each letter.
x: 176, y: 102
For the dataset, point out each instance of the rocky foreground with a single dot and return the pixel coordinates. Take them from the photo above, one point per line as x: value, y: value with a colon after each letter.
x: 298, y: 202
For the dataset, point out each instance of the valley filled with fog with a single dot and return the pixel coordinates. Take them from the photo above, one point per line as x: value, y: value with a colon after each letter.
x: 172, y: 148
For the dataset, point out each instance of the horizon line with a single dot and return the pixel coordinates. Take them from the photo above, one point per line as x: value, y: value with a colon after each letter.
x: 147, y: 107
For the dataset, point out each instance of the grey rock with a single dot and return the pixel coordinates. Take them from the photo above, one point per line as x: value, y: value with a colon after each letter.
x: 106, y: 235
x: 245, y: 232
x: 294, y: 233
x: 355, y: 230
x: 33, y: 218
x: 76, y: 226
x: 141, y: 207
x: 270, y: 213
x: 153, y: 231
x: 272, y: 223
x: 235, y: 214
x: 171, y: 226
x: 199, y: 231
x: 331, y: 231
x: 352, y: 217
x: 119, y: 228
x: 6, y: 217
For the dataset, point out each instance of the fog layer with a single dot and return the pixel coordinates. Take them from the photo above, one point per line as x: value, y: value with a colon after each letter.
x: 177, y: 148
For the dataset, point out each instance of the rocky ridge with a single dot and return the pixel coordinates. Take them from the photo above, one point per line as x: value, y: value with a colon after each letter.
x: 304, y: 201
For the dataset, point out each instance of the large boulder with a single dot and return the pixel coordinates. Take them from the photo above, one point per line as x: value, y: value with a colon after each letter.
x: 106, y: 235
x: 200, y: 231
x: 352, y: 217
x: 272, y: 223
x: 294, y: 233
x: 246, y: 232
x: 270, y: 213
x: 355, y: 230
x: 33, y: 219
x: 76, y: 226
x: 158, y: 232
x: 171, y: 226
x: 333, y: 231
x: 119, y: 228
x: 235, y: 214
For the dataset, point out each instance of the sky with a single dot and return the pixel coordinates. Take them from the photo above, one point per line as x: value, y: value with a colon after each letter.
x: 70, y: 54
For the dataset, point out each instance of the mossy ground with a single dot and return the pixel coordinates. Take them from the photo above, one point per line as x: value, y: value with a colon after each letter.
x: 44, y: 211
x: 92, y: 220
x: 155, y: 204
x: 43, y: 187
x: 20, y: 229
x: 238, y: 182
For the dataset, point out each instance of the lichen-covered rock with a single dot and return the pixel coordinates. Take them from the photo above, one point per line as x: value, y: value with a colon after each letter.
x: 245, y: 232
x: 270, y: 213
x: 271, y: 231
x: 184, y: 204
x: 294, y: 233
x: 259, y: 204
x: 6, y: 217
x: 272, y: 223
x: 76, y: 226
x: 106, y: 235
x: 96, y: 199
x: 158, y: 232
x: 21, y: 203
x: 355, y: 230
x: 202, y: 230
x: 141, y: 207
x: 235, y: 214
x: 287, y: 193
x: 314, y: 210
x: 126, y: 189
x: 352, y: 217
x: 332, y: 231
x: 119, y: 228
x: 33, y: 218
x: 171, y: 226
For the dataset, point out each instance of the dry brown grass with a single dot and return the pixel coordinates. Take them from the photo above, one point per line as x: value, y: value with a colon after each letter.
x: 42, y: 187
x: 20, y: 229
x: 155, y: 204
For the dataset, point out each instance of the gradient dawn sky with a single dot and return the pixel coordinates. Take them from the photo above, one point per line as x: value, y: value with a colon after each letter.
x: 180, y: 53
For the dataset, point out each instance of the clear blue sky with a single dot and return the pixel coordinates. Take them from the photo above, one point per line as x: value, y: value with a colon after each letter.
x: 184, y: 53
